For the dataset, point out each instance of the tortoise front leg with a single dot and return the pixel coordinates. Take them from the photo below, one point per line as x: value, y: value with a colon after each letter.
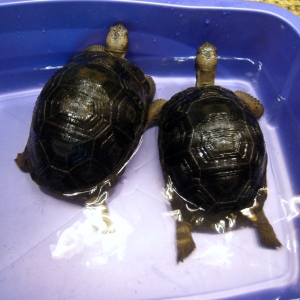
x: 95, y: 48
x: 154, y: 112
x: 152, y: 86
x: 252, y: 103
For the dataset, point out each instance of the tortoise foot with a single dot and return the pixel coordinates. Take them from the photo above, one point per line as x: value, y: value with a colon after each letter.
x: 267, y: 237
x: 110, y: 227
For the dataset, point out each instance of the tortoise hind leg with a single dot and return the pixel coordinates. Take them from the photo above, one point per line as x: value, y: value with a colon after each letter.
x: 184, y: 241
x: 95, y: 204
x: 265, y: 231
x: 256, y: 215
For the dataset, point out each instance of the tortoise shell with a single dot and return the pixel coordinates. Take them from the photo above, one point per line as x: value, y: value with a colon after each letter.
x: 87, y: 122
x: 212, y: 150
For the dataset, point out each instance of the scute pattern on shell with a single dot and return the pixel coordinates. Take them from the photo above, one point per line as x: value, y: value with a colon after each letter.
x: 87, y: 122
x: 213, y: 149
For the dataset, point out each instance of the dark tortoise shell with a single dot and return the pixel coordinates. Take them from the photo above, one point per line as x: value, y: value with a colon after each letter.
x: 88, y: 121
x: 213, y: 150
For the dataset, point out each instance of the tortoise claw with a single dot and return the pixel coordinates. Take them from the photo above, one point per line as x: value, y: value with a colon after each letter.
x: 109, y: 229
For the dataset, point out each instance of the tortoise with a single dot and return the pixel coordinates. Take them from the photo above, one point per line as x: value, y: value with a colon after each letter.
x: 88, y: 121
x: 213, y: 157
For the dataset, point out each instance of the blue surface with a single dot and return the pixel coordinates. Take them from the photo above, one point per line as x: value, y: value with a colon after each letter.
x: 257, y: 43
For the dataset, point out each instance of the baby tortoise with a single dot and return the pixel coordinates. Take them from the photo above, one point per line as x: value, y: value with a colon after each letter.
x: 88, y: 121
x: 213, y: 157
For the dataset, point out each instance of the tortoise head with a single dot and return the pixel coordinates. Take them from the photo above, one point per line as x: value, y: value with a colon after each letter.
x: 117, y: 40
x: 206, y: 63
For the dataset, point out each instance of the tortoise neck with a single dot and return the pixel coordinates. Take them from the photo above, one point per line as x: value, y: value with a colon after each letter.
x: 205, y: 78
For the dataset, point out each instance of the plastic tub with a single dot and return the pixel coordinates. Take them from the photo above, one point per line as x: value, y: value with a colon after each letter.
x: 48, y: 247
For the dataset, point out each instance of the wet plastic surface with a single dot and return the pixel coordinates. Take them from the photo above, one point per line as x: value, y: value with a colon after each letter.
x: 48, y: 245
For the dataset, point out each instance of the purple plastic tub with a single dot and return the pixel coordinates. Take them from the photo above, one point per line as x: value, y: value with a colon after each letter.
x: 49, y: 249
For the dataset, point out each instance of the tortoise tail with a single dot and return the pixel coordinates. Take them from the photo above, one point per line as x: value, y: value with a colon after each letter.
x: 21, y: 161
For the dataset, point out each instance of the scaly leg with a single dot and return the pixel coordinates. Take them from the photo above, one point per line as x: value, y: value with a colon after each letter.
x: 252, y: 103
x: 265, y: 231
x: 184, y: 240
x: 154, y: 112
x: 256, y: 215
x: 152, y: 86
